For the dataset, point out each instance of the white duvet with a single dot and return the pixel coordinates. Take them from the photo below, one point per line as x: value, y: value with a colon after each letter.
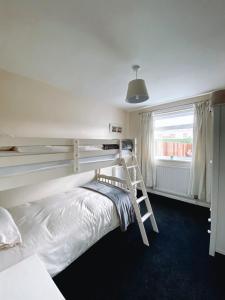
x: 60, y: 228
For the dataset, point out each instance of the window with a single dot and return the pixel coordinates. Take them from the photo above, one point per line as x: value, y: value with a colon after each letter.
x: 173, y: 135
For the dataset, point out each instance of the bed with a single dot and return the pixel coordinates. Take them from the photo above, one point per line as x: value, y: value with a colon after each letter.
x: 60, y: 228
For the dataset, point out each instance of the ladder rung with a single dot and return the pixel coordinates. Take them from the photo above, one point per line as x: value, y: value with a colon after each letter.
x: 135, y: 201
x: 133, y: 166
x: 146, y: 216
x: 141, y: 199
x: 136, y: 182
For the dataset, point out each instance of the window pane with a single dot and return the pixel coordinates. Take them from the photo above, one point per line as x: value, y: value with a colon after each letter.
x: 176, y: 121
x: 174, y: 143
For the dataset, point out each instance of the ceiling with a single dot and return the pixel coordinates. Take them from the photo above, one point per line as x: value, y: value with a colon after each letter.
x: 88, y: 46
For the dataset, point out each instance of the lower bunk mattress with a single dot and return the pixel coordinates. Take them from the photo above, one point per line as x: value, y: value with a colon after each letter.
x: 60, y: 228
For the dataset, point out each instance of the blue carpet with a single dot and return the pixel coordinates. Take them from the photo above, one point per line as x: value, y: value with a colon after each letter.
x: 176, y: 266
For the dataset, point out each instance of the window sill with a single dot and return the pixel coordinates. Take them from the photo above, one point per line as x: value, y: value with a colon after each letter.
x: 175, y: 160
x: 172, y: 162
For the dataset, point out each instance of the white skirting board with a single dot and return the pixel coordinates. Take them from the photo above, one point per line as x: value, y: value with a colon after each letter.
x: 180, y: 198
x: 220, y: 251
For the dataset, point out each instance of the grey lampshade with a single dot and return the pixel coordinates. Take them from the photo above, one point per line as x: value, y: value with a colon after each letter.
x: 137, y: 91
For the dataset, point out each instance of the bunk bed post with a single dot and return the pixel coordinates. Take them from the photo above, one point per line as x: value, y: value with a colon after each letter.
x: 135, y: 146
x: 97, y: 173
x: 120, y: 149
x: 134, y: 153
x: 76, y: 156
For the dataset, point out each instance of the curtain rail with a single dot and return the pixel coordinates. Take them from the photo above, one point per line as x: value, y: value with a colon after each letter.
x: 178, y: 104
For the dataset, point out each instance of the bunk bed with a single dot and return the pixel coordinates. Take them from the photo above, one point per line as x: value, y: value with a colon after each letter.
x: 62, y: 227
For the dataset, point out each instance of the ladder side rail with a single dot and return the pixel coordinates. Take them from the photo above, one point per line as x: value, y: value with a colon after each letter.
x: 147, y: 201
x: 135, y: 205
x: 143, y: 188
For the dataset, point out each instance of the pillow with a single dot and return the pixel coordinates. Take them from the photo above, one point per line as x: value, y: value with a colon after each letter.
x: 9, y: 232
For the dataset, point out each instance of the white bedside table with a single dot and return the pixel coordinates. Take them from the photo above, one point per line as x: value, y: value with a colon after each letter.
x: 28, y: 280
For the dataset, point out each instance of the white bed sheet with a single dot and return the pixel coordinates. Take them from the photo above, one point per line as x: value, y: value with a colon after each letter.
x: 60, y: 228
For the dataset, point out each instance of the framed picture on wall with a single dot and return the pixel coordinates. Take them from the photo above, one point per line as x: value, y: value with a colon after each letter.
x: 115, y: 128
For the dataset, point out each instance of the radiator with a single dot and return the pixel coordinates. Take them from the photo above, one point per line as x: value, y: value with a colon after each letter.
x: 173, y: 179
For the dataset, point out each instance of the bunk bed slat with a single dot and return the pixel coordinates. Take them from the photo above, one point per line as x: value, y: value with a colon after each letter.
x: 8, y: 161
x: 91, y: 142
x: 98, y: 153
x: 83, y: 167
x: 10, y: 141
x: 7, y: 183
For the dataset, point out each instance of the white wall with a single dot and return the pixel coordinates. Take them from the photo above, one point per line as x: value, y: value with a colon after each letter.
x: 30, y: 108
x: 33, y: 108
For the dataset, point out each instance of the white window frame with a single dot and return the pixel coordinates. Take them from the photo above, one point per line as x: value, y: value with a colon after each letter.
x: 168, y: 161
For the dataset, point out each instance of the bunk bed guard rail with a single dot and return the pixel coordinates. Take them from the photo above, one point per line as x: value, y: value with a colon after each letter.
x: 25, y: 161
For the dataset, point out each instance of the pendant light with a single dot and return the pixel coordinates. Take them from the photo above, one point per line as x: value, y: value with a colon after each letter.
x: 137, y: 91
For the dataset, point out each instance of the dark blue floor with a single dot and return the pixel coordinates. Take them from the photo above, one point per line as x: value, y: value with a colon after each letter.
x: 176, y: 266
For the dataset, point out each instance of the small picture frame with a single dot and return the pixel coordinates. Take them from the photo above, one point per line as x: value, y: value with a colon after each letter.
x: 115, y: 128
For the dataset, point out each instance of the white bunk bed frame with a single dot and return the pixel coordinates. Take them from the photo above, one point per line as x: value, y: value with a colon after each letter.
x: 18, y: 169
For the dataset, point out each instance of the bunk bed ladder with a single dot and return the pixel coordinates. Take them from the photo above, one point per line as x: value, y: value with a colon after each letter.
x: 136, y: 201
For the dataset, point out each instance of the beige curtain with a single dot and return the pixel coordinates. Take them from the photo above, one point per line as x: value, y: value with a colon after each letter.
x: 200, y: 180
x: 146, y: 148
